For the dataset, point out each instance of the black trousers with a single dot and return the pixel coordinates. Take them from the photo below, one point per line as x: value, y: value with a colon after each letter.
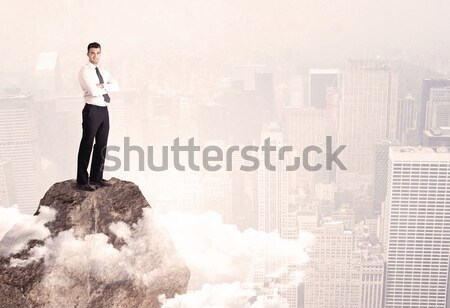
x: 95, y: 126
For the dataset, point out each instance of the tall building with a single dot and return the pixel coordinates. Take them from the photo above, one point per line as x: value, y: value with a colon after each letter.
x: 274, y: 215
x: 19, y: 144
x: 304, y: 126
x: 244, y: 193
x: 406, y: 120
x: 380, y: 173
x: 368, y: 112
x: 256, y: 78
x: 372, y: 277
x: 46, y: 76
x: 417, y: 229
x: 333, y: 277
x: 265, y: 91
x: 272, y: 185
x: 7, y: 192
x: 427, y: 85
x: 332, y: 112
x: 319, y: 81
x: 438, y: 108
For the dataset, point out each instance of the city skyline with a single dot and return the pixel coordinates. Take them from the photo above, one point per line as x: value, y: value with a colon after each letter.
x: 374, y: 78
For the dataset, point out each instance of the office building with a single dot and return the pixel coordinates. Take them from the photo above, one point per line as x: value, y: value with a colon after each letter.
x: 417, y: 229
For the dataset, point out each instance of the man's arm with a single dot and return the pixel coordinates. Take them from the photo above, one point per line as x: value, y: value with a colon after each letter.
x: 89, y: 84
x: 111, y: 84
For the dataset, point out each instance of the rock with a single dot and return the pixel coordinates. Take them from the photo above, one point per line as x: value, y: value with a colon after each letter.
x: 98, y: 249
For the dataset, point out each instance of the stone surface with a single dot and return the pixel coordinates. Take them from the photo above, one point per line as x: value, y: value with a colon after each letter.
x: 85, y: 261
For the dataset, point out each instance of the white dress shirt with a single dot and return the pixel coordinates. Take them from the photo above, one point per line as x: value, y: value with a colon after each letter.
x: 88, y: 81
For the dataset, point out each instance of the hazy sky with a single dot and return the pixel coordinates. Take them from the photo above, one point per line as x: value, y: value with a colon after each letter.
x: 208, y: 28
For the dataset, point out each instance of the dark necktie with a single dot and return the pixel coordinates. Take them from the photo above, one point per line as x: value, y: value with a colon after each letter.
x: 100, y: 78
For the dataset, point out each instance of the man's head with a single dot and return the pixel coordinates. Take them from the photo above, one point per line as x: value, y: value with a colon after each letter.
x: 93, y: 52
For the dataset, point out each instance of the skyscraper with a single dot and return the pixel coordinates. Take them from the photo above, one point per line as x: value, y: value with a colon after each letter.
x: 319, y: 81
x: 46, y: 76
x: 272, y: 186
x: 6, y: 184
x: 368, y: 112
x: 380, y: 173
x: 438, y: 108
x: 274, y: 215
x: 18, y: 143
x: 333, y: 277
x: 304, y: 126
x: 427, y: 85
x: 406, y: 120
x: 372, y: 283
x: 417, y: 232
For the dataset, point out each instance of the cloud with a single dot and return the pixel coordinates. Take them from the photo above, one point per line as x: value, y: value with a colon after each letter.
x: 141, y: 259
x: 220, y: 253
x: 26, y: 227
x: 219, y: 256
x: 227, y: 295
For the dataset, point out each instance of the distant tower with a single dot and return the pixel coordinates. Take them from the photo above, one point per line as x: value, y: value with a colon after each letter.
x: 257, y: 79
x: 272, y: 185
x: 18, y: 144
x: 368, y: 112
x: 304, y: 126
x: 427, y: 85
x: 406, y: 120
x: 372, y: 283
x: 319, y: 81
x: 46, y: 76
x: 417, y: 231
x: 333, y: 277
x: 438, y: 108
x: 380, y: 173
x: 274, y: 215
x: 7, y: 192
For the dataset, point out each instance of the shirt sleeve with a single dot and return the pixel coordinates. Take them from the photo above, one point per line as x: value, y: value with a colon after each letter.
x: 111, y: 84
x: 88, y: 83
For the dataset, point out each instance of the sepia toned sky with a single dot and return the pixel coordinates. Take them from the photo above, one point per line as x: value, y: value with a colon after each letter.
x: 209, y: 28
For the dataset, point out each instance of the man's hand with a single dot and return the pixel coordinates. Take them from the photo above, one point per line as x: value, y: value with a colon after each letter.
x: 100, y: 85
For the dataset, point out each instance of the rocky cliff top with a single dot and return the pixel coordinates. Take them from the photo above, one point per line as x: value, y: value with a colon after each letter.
x: 90, y: 249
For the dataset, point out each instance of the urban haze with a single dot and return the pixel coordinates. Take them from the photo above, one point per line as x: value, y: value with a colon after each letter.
x: 374, y: 76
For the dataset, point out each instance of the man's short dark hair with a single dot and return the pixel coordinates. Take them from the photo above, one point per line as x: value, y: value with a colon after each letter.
x: 93, y: 45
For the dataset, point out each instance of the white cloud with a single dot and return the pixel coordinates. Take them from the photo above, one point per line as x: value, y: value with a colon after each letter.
x: 219, y: 253
x: 26, y: 227
x: 227, y: 295
x: 219, y: 256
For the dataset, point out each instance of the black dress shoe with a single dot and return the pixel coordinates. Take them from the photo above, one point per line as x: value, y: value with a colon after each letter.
x: 101, y: 183
x: 85, y: 187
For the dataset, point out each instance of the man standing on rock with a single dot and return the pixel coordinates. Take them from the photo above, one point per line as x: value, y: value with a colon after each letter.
x: 95, y: 82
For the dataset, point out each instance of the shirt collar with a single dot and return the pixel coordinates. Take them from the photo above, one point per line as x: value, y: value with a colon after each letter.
x: 93, y: 66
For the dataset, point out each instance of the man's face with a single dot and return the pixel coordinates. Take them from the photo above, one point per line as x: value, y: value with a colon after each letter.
x: 94, y: 55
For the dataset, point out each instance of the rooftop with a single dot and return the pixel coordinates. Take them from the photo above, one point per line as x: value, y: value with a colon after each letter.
x: 420, y: 153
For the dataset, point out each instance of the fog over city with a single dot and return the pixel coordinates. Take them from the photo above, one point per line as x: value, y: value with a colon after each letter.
x: 370, y: 78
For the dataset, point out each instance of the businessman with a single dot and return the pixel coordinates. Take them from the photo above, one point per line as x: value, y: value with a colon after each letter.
x: 95, y: 82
